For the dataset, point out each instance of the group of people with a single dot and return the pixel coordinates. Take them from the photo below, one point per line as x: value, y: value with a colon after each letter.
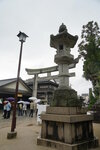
x: 22, y: 109
x: 7, y: 110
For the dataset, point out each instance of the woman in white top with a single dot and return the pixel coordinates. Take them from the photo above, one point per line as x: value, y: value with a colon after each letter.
x: 25, y: 109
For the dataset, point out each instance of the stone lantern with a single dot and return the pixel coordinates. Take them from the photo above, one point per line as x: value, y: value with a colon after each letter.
x: 65, y: 125
x: 63, y: 42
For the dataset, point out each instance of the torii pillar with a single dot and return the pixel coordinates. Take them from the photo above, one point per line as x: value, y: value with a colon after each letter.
x: 35, y: 79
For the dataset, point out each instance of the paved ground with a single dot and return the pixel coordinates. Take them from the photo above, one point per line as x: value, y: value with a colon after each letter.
x: 28, y: 131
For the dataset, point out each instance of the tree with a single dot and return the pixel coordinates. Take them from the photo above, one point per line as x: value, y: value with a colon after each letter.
x: 89, y: 49
x: 92, y: 99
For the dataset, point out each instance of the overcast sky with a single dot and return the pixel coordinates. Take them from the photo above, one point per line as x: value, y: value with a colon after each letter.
x: 39, y: 19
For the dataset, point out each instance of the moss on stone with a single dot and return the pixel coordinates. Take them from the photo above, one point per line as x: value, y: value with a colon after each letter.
x: 65, y: 98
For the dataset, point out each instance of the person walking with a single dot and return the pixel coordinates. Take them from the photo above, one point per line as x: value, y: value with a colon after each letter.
x: 8, y: 110
x: 35, y: 109
x: 31, y: 109
x: 20, y: 110
x: 5, y: 109
x: 25, y: 109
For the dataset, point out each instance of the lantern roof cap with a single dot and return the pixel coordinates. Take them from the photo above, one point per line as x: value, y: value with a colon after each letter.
x: 63, y: 37
x: 62, y: 28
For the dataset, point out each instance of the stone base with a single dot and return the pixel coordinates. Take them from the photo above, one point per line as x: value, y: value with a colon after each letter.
x: 66, y: 110
x: 11, y: 135
x: 63, y: 146
x: 67, y: 127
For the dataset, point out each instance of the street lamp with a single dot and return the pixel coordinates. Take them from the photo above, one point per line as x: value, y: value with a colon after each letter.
x: 22, y: 38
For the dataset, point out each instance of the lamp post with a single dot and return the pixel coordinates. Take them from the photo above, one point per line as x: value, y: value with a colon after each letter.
x: 22, y: 38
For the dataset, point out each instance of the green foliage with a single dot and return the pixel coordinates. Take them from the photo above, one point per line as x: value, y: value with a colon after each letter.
x: 89, y: 49
x: 92, y: 99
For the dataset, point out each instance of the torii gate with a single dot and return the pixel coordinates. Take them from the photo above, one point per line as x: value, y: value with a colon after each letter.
x: 47, y: 70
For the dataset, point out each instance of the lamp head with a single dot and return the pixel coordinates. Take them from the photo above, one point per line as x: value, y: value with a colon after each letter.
x: 22, y: 36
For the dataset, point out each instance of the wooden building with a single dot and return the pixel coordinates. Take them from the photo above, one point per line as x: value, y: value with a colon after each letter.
x: 8, y: 86
x: 45, y: 89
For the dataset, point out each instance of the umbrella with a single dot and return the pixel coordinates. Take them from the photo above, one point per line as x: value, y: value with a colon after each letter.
x: 10, y: 98
x: 0, y: 101
x: 26, y: 102
x: 37, y: 100
x: 5, y: 102
x: 32, y: 98
x: 20, y: 102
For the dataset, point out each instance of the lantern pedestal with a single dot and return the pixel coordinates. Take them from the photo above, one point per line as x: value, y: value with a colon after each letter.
x: 67, y: 128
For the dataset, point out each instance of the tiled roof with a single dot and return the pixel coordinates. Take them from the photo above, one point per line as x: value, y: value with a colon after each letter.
x: 7, y: 81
